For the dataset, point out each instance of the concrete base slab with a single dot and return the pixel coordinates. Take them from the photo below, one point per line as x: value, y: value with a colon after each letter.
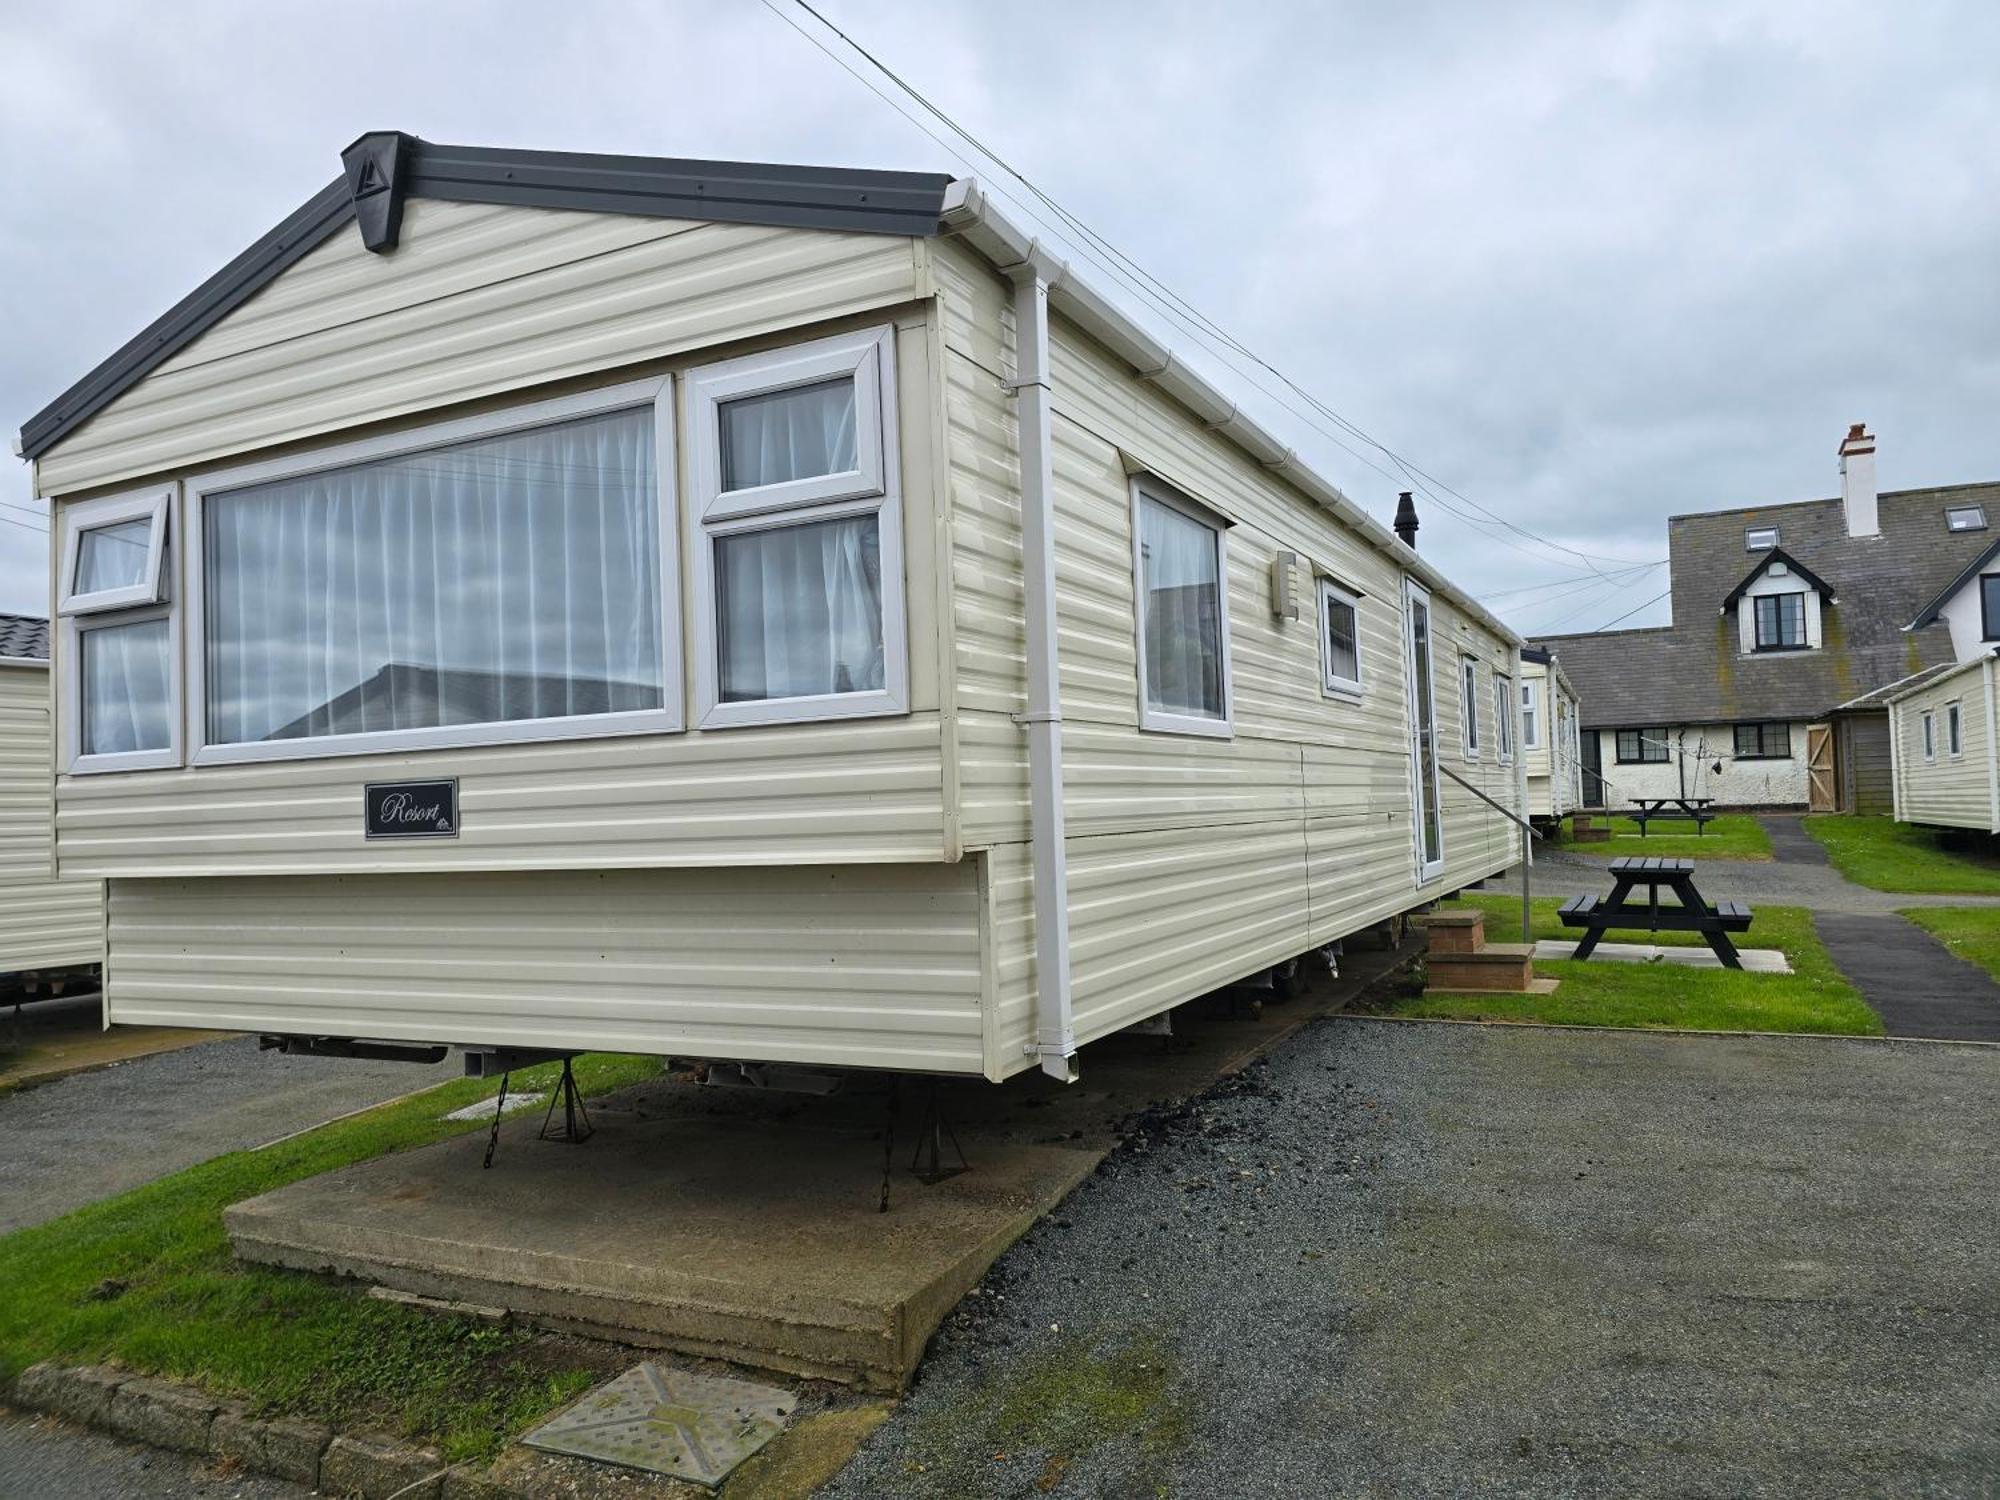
x: 1755, y: 960
x: 746, y: 1225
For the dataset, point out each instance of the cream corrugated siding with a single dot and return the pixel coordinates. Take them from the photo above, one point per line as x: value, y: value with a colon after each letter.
x: 854, y: 966
x: 1948, y: 792
x: 476, y: 301
x: 863, y: 790
x: 1192, y: 861
x: 44, y: 923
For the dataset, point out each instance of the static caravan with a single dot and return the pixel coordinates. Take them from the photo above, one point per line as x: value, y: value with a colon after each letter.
x: 51, y: 931
x: 1944, y: 747
x: 725, y: 611
x: 1550, y: 743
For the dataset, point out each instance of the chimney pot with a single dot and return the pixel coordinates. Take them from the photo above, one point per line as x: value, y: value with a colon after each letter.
x: 1406, y: 520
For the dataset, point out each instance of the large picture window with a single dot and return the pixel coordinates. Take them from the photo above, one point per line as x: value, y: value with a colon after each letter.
x: 798, y: 567
x: 499, y: 578
x: 1781, y: 622
x: 1180, y: 568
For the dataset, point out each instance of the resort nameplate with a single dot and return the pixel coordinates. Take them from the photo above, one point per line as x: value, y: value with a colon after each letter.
x: 412, y: 809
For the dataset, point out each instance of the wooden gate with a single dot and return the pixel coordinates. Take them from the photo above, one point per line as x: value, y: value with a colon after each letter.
x: 1823, y: 786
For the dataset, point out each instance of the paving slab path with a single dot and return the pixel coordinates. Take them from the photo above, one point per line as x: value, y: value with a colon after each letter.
x: 1434, y: 1259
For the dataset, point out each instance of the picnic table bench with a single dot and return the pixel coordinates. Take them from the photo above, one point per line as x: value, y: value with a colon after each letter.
x: 1673, y: 809
x: 1621, y: 910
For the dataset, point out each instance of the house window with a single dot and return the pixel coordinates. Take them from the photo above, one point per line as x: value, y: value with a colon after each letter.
x: 1965, y: 518
x: 1760, y: 538
x: 1531, y: 713
x: 1954, y: 734
x: 1468, y: 670
x: 1340, y: 639
x: 799, y: 559
x: 1989, y: 606
x: 1930, y: 735
x: 1179, y: 567
x: 119, y: 633
x: 1763, y: 742
x: 1781, y: 622
x: 1503, y: 716
x: 1642, y: 747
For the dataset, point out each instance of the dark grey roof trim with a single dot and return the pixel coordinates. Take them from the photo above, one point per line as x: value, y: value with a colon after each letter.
x: 658, y: 187
x: 1778, y: 555
x: 1540, y: 655
x: 1932, y: 610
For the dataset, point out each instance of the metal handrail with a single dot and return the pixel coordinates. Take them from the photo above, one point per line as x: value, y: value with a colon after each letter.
x: 1527, y: 832
x: 1525, y: 826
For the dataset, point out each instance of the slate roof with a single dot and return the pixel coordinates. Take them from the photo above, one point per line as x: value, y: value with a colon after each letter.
x: 1692, y: 672
x: 25, y: 637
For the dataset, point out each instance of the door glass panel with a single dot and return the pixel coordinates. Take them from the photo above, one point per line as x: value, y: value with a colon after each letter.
x: 1425, y: 709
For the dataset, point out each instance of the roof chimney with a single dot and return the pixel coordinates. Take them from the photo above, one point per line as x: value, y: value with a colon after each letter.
x: 1857, y: 481
x: 1406, y: 520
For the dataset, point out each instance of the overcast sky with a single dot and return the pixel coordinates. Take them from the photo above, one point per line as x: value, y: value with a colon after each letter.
x: 1587, y: 265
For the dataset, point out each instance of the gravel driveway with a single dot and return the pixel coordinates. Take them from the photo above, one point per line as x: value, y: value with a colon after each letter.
x: 1430, y: 1259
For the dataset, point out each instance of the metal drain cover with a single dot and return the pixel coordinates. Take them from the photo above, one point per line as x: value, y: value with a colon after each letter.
x: 668, y: 1421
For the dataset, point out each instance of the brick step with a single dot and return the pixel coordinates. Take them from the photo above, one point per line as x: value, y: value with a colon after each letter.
x: 1506, y: 968
x: 1455, y: 930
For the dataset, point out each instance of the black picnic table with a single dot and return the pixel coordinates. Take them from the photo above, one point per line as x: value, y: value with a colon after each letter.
x: 1598, y: 915
x: 1696, y: 808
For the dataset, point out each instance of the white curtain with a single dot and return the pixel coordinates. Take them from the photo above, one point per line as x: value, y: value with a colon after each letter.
x: 799, y: 609
x: 516, y: 577
x: 801, y: 433
x: 113, y: 557
x: 125, y: 703
x: 1183, y: 612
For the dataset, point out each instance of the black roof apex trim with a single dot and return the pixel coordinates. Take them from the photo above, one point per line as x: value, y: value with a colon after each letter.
x: 1932, y: 610
x: 1778, y: 555
x: 797, y: 197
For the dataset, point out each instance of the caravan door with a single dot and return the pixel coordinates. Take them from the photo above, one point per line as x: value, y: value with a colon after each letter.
x: 1426, y: 813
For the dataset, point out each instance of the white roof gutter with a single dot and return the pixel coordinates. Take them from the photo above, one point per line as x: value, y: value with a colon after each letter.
x: 971, y: 216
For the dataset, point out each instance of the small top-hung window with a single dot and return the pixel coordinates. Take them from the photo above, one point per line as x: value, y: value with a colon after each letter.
x: 114, y: 553
x: 1760, y: 538
x: 1965, y: 518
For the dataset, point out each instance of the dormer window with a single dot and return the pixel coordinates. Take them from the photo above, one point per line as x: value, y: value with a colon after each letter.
x: 1760, y: 538
x: 1781, y: 622
x: 1965, y: 518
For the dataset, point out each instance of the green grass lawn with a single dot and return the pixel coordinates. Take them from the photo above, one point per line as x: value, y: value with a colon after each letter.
x: 1729, y: 836
x: 1813, y: 997
x: 1972, y: 932
x: 145, y: 1280
x: 1885, y: 855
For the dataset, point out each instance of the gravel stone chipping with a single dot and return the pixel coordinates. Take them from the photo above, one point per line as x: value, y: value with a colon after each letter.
x: 1427, y: 1259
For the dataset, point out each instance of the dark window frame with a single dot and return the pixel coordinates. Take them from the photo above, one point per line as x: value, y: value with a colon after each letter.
x: 1762, y: 734
x: 1757, y: 641
x: 1989, y: 626
x: 1651, y: 744
x: 1973, y: 509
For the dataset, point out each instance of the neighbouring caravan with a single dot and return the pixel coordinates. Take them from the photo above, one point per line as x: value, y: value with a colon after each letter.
x: 1944, y: 752
x: 51, y: 931
x: 725, y: 611
x: 1549, y: 739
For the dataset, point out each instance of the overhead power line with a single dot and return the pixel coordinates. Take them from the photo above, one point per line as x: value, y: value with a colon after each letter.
x: 1176, y: 308
x: 1634, y: 610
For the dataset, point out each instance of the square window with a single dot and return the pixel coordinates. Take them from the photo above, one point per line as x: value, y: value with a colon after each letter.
x: 799, y: 610
x: 1183, y: 623
x: 1340, y: 639
x: 125, y: 699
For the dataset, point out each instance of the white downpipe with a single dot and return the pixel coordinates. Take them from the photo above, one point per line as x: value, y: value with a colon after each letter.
x: 1992, y: 749
x: 1055, y: 1034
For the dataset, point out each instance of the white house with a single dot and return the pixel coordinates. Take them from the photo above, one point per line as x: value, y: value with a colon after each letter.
x: 1786, y: 620
x: 552, y: 601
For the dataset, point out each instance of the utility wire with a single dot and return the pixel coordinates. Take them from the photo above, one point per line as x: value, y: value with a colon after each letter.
x: 1177, y: 308
x: 1633, y: 611
x: 1565, y: 581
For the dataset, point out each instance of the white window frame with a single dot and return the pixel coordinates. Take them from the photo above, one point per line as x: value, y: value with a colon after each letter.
x: 1468, y: 695
x: 872, y: 487
x: 1930, y: 735
x: 1531, y: 716
x: 95, y: 515
x: 1335, y: 686
x: 667, y: 719
x: 1503, y: 711
x: 70, y: 715
x: 1954, y: 729
x: 1144, y: 487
